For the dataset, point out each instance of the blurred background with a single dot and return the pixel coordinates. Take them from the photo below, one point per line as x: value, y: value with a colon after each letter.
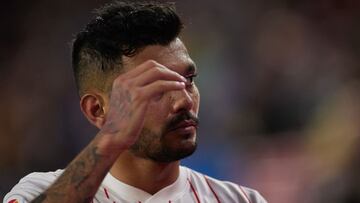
x: 279, y: 83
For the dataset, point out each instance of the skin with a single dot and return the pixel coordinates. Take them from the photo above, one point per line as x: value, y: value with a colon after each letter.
x: 155, y: 88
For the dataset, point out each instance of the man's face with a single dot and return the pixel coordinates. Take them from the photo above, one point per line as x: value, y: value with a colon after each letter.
x: 169, y: 133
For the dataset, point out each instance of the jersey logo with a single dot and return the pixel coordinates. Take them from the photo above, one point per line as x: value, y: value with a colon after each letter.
x: 13, y: 201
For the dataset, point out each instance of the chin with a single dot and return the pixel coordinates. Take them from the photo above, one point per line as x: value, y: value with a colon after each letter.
x: 174, y: 153
x: 168, y: 148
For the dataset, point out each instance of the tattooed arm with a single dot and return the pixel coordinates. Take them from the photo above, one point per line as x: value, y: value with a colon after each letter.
x: 129, y: 98
x: 81, y: 178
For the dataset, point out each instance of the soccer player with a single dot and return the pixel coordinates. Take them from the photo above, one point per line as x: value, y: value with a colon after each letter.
x: 136, y: 84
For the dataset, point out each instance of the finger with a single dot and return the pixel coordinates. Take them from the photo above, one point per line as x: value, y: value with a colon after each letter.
x: 159, y: 87
x: 156, y: 73
x: 138, y: 70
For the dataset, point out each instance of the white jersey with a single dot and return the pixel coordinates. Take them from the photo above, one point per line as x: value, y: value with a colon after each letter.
x: 190, y: 187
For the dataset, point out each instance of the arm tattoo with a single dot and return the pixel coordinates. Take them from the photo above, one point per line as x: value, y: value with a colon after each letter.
x: 81, y: 167
x: 84, y: 174
x: 80, y: 180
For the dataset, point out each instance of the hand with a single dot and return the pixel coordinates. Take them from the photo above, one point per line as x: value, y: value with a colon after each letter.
x: 131, y: 93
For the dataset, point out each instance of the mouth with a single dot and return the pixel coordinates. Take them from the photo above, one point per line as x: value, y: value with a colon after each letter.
x: 185, y: 125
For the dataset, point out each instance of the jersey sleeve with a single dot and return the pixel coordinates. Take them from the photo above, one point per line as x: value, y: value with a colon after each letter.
x: 30, y: 187
x: 252, y: 195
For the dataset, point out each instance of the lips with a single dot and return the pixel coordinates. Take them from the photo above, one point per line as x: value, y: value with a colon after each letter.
x: 185, y: 124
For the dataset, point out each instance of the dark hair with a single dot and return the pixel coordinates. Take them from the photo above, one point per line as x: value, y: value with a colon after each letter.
x: 121, y: 28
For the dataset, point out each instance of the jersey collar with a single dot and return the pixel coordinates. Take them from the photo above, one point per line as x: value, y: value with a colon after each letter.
x: 129, y: 193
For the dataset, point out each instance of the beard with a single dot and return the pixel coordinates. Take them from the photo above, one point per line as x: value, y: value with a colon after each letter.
x: 160, y: 147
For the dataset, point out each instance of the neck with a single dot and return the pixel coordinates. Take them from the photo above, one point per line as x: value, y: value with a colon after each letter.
x: 147, y: 175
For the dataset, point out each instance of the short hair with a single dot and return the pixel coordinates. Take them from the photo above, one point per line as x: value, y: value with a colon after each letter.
x: 121, y: 28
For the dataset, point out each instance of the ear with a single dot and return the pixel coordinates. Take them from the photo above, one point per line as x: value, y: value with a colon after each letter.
x: 93, y: 107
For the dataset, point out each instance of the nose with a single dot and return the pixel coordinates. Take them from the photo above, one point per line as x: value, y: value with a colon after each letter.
x: 182, y: 101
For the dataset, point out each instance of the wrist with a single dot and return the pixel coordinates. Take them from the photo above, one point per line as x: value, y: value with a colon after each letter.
x: 108, y: 145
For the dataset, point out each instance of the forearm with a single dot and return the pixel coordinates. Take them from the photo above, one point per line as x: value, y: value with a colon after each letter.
x: 83, y: 175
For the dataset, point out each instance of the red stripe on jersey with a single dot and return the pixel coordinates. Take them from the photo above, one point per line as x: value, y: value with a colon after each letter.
x: 194, y: 191
x: 248, y: 199
x: 106, y: 193
x: 212, y: 190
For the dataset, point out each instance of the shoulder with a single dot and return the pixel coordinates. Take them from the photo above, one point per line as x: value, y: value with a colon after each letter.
x: 224, y: 191
x: 31, y: 186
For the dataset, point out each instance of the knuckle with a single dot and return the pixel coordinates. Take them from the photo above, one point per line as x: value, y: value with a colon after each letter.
x: 158, y: 70
x: 118, y: 80
x: 137, y: 94
x: 152, y: 62
x: 130, y: 83
x: 126, y: 85
x: 116, y: 83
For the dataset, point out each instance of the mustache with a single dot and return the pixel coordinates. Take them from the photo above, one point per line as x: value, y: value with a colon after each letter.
x: 176, y: 120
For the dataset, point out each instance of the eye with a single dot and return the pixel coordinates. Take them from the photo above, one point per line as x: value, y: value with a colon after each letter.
x: 190, y: 79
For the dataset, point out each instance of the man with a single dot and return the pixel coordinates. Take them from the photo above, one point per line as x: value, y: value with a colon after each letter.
x: 136, y: 83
